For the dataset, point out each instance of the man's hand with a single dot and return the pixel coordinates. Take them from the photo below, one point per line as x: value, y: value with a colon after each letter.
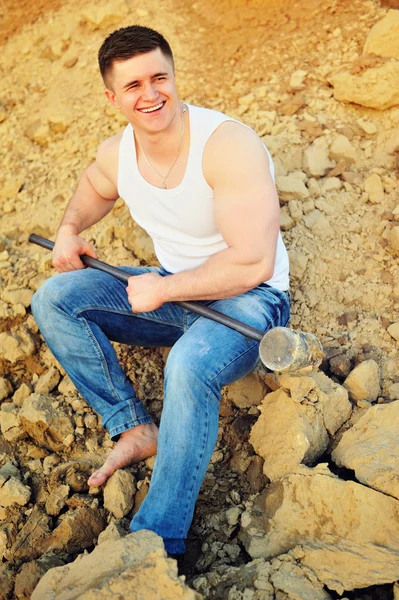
x: 144, y: 292
x: 68, y: 247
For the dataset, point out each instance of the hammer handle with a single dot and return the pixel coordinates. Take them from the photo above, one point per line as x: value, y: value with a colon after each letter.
x: 195, y: 307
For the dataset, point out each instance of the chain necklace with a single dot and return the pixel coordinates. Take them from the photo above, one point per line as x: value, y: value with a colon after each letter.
x: 165, y: 177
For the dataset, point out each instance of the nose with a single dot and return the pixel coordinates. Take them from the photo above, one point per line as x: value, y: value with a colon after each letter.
x: 150, y: 93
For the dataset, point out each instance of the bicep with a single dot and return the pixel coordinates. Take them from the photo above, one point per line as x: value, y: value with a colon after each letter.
x: 247, y: 209
x: 103, y: 173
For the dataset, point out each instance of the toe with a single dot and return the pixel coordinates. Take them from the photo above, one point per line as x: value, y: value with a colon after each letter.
x: 97, y: 478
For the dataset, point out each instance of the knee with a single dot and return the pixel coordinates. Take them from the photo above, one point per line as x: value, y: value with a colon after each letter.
x: 47, y: 299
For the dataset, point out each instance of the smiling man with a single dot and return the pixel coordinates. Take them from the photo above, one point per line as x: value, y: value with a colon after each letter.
x: 201, y: 185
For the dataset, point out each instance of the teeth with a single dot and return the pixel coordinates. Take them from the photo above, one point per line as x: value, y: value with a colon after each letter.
x: 147, y: 110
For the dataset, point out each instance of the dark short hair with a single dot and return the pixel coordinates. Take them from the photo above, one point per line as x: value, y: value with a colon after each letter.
x: 127, y: 42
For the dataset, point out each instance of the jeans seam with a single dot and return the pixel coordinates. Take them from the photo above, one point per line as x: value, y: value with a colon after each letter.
x: 125, y: 313
x: 104, y: 365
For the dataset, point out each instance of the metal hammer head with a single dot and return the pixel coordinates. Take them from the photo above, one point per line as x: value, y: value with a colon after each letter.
x: 282, y: 349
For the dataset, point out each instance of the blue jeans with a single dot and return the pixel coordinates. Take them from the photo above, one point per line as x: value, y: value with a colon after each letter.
x: 79, y: 313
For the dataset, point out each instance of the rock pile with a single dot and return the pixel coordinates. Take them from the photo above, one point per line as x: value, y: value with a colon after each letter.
x: 301, y: 496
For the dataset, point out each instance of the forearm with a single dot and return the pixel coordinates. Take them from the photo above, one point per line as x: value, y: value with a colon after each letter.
x: 226, y: 274
x: 85, y: 208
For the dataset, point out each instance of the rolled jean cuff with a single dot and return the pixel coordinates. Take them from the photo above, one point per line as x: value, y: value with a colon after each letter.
x: 125, y: 416
x: 174, y: 546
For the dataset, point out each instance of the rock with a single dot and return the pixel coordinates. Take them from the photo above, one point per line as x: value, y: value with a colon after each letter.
x: 290, y: 187
x: 5, y: 388
x: 286, y: 434
x: 363, y: 383
x: 333, y: 401
x: 104, y: 15
x: 246, y: 392
x: 340, y: 366
x: 374, y: 188
x: 78, y: 529
x: 298, y: 263
x: 22, y: 393
x: 31, y: 573
x: 297, y: 582
x: 383, y: 39
x: 393, y: 239
x: 13, y: 491
x: 47, y: 425
x: 367, y: 126
x: 57, y: 499
x: 20, y: 296
x: 66, y: 387
x: 48, y: 381
x: 374, y: 87
x: 111, y: 532
x: 331, y: 184
x: 10, y: 425
x: 318, y: 223
x: 393, y: 392
x: 8, y: 533
x: 29, y: 543
x: 342, y: 149
x: 393, y: 330
x: 7, y: 578
x: 39, y: 133
x: 346, y: 533
x: 371, y: 449
x: 133, y: 567
x: 316, y: 162
x: 16, y: 345
x: 297, y: 80
x: 119, y: 493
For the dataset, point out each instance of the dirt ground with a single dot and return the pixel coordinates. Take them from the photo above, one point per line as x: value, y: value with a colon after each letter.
x: 237, y: 57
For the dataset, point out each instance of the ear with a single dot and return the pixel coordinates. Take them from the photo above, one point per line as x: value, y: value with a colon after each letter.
x: 112, y: 98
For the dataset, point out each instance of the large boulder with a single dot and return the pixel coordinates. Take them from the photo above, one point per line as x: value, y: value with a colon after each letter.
x: 132, y: 568
x: 371, y: 449
x: 346, y: 533
x: 383, y: 38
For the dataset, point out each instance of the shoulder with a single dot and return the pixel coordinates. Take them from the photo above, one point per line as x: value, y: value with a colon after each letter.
x: 233, y: 146
x: 107, y: 156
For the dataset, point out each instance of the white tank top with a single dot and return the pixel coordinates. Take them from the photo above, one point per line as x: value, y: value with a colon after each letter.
x: 181, y: 220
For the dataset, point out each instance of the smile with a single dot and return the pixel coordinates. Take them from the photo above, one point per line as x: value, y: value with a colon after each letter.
x: 152, y: 108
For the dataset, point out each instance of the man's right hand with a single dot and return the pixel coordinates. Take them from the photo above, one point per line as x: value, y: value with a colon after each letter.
x: 67, y: 251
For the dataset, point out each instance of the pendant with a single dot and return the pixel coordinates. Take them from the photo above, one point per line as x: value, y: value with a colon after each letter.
x: 164, y: 184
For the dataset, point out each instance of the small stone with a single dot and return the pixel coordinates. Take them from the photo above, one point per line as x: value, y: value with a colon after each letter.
x: 246, y: 392
x: 14, y: 492
x: 318, y: 223
x: 23, y: 392
x: 21, y: 296
x: 393, y: 239
x: 316, y: 161
x: 48, y: 426
x: 57, y: 499
x: 16, y: 345
x: 367, y: 126
x: 298, y: 263
x: 340, y: 366
x: 291, y: 187
x: 39, y: 133
x: 48, y: 381
x: 233, y: 515
x: 105, y: 15
x: 342, y: 149
x: 393, y: 330
x: 5, y: 388
x: 297, y: 80
x: 10, y: 426
x: 331, y: 184
x: 374, y: 188
x: 363, y: 383
x: 71, y: 62
x: 119, y: 493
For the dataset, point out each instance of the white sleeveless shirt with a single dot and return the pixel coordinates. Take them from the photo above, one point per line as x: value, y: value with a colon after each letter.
x: 181, y: 220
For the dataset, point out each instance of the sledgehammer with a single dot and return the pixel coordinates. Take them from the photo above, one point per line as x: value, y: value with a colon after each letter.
x: 280, y: 349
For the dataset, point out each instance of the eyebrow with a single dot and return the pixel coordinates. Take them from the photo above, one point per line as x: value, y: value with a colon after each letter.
x: 138, y: 80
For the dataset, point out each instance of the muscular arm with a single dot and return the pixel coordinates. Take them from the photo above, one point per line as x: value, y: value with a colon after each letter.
x: 247, y: 215
x: 93, y: 199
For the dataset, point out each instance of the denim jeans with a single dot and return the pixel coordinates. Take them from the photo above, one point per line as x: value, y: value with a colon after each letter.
x: 79, y: 313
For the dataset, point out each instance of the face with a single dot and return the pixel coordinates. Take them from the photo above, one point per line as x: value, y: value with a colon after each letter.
x: 144, y: 89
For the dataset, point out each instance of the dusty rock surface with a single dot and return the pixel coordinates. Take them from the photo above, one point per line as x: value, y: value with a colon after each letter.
x: 318, y: 82
x: 134, y: 567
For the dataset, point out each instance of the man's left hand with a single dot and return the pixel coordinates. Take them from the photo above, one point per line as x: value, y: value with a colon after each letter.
x: 144, y: 292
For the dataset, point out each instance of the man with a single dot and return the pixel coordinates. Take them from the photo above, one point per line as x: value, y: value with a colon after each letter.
x: 201, y: 184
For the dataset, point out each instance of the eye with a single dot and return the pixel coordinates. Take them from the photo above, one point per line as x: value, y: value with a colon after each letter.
x: 161, y: 78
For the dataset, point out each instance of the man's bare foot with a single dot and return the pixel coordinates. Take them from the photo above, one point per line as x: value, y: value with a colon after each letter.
x: 133, y: 445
